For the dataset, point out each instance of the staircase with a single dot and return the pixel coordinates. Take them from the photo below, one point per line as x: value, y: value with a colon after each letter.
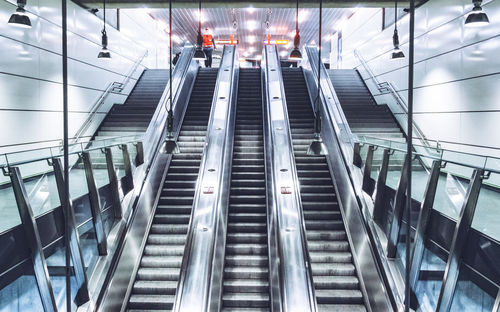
x: 246, y: 273
x: 363, y: 114
x: 156, y: 280
x: 334, y: 274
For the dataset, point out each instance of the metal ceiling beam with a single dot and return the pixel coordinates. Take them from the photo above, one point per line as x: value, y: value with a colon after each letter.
x: 243, y: 4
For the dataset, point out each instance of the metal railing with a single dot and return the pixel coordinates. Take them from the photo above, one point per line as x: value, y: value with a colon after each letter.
x: 293, y: 265
x: 113, y: 87
x: 387, y: 87
x: 202, y: 264
x: 467, y: 221
x: 34, y: 236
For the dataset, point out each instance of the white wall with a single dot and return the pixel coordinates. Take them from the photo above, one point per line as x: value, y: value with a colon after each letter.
x: 457, y: 70
x: 31, y: 68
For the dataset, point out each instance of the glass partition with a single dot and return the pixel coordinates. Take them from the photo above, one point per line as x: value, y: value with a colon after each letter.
x: 8, y: 209
x: 469, y: 296
x: 41, y: 188
x: 22, y: 294
x: 487, y: 216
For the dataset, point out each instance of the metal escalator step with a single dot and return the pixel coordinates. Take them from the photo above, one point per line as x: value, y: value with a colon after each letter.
x: 157, y: 277
x: 252, y: 286
x: 246, y: 249
x: 341, y: 308
x: 242, y: 272
x: 247, y: 238
x: 161, y: 262
x: 336, y: 282
x: 154, y: 287
x: 338, y: 269
x: 339, y: 296
x: 151, y: 302
x: 245, y: 300
x: 246, y: 260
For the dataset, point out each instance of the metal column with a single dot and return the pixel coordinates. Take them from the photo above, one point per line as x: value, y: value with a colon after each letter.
x: 113, y: 183
x: 423, y: 220
x: 378, y: 206
x: 95, y: 205
x: 462, y: 228
x: 74, y: 239
x: 33, y: 238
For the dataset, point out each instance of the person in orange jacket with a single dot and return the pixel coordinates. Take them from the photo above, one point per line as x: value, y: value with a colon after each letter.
x: 208, y: 46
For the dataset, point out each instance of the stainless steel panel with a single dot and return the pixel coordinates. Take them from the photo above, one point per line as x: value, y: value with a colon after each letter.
x: 148, y: 180
x: 347, y: 180
x: 202, y: 264
x: 296, y: 285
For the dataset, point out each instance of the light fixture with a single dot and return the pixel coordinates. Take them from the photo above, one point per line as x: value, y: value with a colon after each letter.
x: 199, y: 55
x: 477, y: 17
x: 104, y: 53
x: 317, y: 147
x: 397, y: 52
x: 295, y: 55
x: 169, y: 145
x: 19, y: 18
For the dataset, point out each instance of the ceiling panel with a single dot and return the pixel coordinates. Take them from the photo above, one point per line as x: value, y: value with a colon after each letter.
x: 251, y: 27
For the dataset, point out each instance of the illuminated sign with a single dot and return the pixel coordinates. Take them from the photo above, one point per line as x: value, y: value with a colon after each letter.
x: 278, y: 41
x: 231, y: 40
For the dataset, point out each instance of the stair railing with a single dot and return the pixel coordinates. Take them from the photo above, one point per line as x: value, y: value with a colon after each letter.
x: 387, y: 87
x: 113, y: 87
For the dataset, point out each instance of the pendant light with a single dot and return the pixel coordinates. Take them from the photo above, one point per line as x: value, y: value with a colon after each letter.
x: 170, y: 146
x: 19, y: 18
x: 104, y: 53
x: 477, y: 17
x: 199, y: 55
x: 397, y: 52
x: 317, y: 147
x: 295, y: 55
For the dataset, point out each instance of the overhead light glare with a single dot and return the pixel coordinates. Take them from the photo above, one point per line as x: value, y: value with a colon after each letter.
x: 251, y: 10
x: 251, y: 25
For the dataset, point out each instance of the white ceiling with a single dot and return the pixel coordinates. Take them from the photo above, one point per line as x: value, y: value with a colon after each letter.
x: 251, y: 25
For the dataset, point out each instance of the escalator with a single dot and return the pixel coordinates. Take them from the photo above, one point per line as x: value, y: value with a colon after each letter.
x: 336, y: 284
x: 246, y: 273
x: 157, y: 277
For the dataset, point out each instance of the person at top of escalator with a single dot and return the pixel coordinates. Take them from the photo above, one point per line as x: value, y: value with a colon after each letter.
x: 208, y: 46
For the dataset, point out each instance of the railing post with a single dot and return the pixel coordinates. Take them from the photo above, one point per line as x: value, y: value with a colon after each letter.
x: 458, y: 243
x: 423, y: 220
x: 397, y: 217
x: 139, y: 158
x: 357, y: 161
x: 35, y: 247
x: 95, y: 205
x: 496, y: 307
x: 128, y: 165
x: 367, y: 185
x: 74, y: 239
x: 113, y: 183
x: 378, y: 206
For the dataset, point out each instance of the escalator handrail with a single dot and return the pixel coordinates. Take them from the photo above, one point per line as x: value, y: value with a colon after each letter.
x: 195, y: 280
x: 155, y: 130
x: 329, y: 99
x: 292, y: 299
x: 347, y: 182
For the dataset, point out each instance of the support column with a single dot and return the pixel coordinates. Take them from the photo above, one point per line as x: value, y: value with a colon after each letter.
x: 95, y: 205
x: 397, y: 217
x: 30, y: 229
x: 458, y: 243
x: 113, y: 183
x: 423, y: 221
x: 367, y: 186
x: 74, y: 239
x: 378, y: 207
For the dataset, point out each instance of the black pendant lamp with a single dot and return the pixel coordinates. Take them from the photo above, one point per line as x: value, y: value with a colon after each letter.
x: 317, y: 147
x: 397, y: 52
x: 104, y: 53
x: 477, y: 17
x: 19, y: 18
x: 295, y: 55
x: 199, y: 55
x: 170, y: 146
